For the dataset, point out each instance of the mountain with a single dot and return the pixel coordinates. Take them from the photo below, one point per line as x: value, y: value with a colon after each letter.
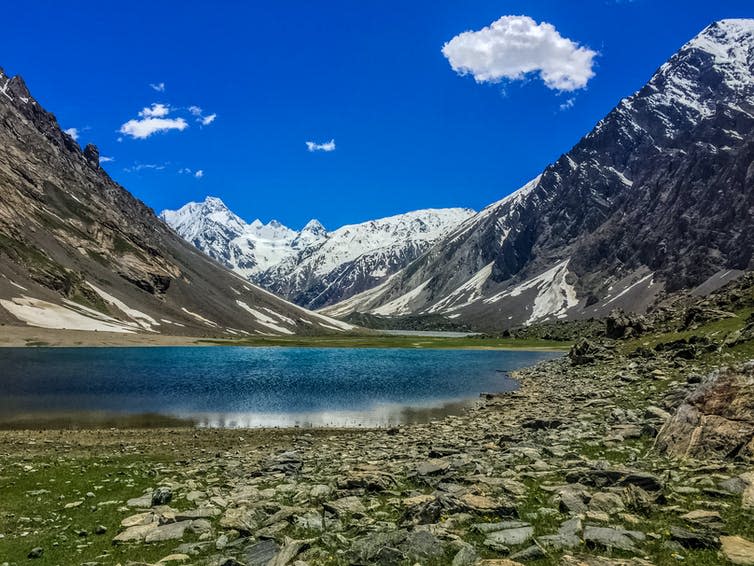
x: 78, y: 252
x: 658, y: 197
x: 313, y: 267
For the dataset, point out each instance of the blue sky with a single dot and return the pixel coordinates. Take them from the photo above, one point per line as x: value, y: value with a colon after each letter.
x: 409, y: 132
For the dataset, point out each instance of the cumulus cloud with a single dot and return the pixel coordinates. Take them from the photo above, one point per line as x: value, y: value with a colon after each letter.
x: 142, y: 129
x: 105, y: 159
x: 207, y: 120
x: 73, y: 132
x: 327, y: 146
x: 516, y: 46
x: 159, y: 87
x: 152, y: 119
x: 157, y: 110
x: 199, y: 174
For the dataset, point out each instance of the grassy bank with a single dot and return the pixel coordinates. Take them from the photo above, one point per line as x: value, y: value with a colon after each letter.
x: 376, y: 341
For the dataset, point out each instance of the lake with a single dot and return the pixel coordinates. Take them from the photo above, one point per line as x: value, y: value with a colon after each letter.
x: 246, y: 387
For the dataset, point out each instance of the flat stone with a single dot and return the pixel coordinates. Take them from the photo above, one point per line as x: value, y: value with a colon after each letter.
x: 240, y: 519
x: 511, y: 537
x: 485, y: 504
x: 346, y: 505
x: 693, y: 539
x: 261, y: 553
x: 606, y: 502
x: 433, y: 467
x: 135, y: 533
x: 142, y: 502
x: 501, y: 526
x: 738, y: 550
x: 139, y: 519
x: 199, y: 513
x: 467, y: 556
x: 612, y: 538
x: 171, y: 531
x: 174, y: 558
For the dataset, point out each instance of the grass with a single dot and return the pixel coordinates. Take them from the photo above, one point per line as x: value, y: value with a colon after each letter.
x: 377, y: 341
x: 33, y: 514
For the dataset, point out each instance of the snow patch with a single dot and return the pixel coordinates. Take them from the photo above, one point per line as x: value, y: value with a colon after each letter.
x: 401, y: 304
x: 142, y: 319
x: 43, y: 314
x: 263, y: 319
x: 200, y: 318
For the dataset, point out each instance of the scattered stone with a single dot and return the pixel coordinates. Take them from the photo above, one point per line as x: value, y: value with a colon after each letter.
x: 692, y: 539
x: 347, y: 505
x: 36, y: 552
x: 738, y: 550
x: 161, y: 496
x: 612, y: 538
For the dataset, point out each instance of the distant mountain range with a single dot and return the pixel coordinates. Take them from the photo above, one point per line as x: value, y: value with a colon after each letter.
x: 78, y: 252
x: 658, y: 197
x: 313, y: 267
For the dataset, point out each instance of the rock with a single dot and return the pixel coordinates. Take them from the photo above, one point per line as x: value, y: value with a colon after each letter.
x: 585, y: 352
x: 200, y: 513
x: 139, y: 519
x: 533, y: 552
x: 161, y: 496
x: 485, y: 528
x: 170, y: 531
x: 572, y: 500
x: 541, y: 424
x: 261, y: 553
x: 372, y: 481
x: 288, y: 462
x: 738, y: 550
x: 290, y: 550
x: 351, y: 505
x: 715, y: 421
x: 433, y: 467
x: 36, y: 552
x: 100, y: 530
x: 91, y: 154
x: 178, y: 557
x: 141, y: 502
x: 466, y: 556
x: 703, y: 517
x: 512, y: 537
x: 135, y: 533
x: 606, y: 502
x: 612, y: 538
x: 747, y: 495
x: 620, y: 325
x: 240, y: 519
x: 692, y: 539
x: 498, y: 562
x: 483, y: 504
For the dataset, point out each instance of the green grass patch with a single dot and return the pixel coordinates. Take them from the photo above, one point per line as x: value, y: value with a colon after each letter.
x: 376, y: 341
x: 33, y: 512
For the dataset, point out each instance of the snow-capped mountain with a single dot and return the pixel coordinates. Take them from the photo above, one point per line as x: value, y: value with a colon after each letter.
x: 312, y: 267
x: 659, y: 196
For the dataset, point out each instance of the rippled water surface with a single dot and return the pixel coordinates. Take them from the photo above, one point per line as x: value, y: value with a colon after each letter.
x: 246, y: 387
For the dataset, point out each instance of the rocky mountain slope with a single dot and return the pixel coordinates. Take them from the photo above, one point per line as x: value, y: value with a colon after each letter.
x: 78, y: 252
x: 312, y: 267
x: 659, y: 196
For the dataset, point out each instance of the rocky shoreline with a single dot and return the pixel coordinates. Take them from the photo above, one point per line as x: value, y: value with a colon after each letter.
x: 565, y: 470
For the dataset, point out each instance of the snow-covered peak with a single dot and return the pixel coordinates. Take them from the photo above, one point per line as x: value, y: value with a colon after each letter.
x: 193, y: 219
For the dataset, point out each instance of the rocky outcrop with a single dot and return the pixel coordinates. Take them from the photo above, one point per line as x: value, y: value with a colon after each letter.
x: 716, y: 420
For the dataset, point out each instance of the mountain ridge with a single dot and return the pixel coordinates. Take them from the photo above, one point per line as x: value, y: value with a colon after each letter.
x: 79, y: 252
x: 611, y: 220
x: 313, y: 267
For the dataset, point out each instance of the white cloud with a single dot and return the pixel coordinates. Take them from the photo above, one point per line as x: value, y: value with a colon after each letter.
x: 515, y: 46
x: 184, y: 171
x: 73, y: 132
x: 207, y: 120
x: 142, y: 129
x: 328, y: 146
x: 157, y: 110
x: 159, y: 87
x: 195, y: 110
x: 105, y: 159
x: 136, y: 167
x: 199, y: 174
x: 568, y: 104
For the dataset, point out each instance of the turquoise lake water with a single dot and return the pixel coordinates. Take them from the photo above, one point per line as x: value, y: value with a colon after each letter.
x: 249, y: 387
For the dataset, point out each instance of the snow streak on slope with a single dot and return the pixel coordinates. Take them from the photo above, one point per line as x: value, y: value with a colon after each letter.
x: 401, y: 305
x: 554, y: 294
x: 466, y: 294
